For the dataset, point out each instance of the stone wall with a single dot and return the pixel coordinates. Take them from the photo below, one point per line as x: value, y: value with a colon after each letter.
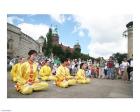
x: 18, y: 43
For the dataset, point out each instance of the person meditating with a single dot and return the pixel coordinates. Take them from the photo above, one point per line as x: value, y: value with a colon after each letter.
x: 28, y: 81
x: 15, y: 71
x: 46, y: 72
x: 63, y: 78
x: 81, y: 76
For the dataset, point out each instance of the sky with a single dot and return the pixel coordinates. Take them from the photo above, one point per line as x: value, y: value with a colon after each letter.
x: 99, y: 35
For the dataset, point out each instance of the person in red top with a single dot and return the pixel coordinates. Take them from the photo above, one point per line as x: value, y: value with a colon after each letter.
x: 110, y: 69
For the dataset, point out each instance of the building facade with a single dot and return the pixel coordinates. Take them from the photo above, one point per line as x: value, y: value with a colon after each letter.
x: 19, y: 44
x: 55, y: 41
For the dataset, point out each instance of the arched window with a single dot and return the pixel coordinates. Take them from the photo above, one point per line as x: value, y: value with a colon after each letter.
x: 10, y: 44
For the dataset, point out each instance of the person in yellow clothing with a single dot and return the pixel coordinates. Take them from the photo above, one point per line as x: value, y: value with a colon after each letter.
x: 71, y: 79
x: 15, y: 72
x: 28, y: 81
x: 81, y: 76
x: 62, y: 74
x: 46, y: 72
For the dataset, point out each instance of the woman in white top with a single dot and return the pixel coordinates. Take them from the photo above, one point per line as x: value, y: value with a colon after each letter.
x: 125, y: 64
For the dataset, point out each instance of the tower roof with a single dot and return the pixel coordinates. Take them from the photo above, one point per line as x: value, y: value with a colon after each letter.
x: 77, y: 45
x: 130, y: 24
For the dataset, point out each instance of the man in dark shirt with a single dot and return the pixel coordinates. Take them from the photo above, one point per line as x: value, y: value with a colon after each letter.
x: 110, y: 68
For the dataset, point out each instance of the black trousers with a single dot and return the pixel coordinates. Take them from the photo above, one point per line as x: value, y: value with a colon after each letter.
x: 129, y: 69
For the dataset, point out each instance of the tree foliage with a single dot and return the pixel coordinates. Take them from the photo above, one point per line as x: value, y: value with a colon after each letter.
x: 119, y: 57
x: 48, y: 49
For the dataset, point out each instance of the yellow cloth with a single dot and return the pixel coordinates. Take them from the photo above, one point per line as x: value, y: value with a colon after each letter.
x: 46, y: 73
x: 28, y: 80
x: 63, y: 78
x: 68, y: 76
x: 84, y: 81
x: 63, y: 84
x: 25, y: 73
x: 71, y: 82
x: 16, y: 72
x: 40, y: 86
x: 81, y: 77
x: 61, y: 73
x: 26, y: 89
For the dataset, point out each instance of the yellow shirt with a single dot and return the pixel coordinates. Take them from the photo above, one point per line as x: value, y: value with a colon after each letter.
x: 45, y: 71
x: 28, y: 73
x: 68, y: 76
x: 16, y: 71
x: 80, y: 74
x: 61, y: 73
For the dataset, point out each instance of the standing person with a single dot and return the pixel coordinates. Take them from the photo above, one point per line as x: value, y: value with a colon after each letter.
x: 121, y: 69
x: 88, y: 71
x: 46, y: 72
x: 101, y: 68
x: 110, y: 68
x: 16, y: 69
x: 105, y: 70
x: 125, y: 66
x: 28, y: 81
x: 116, y: 69
x: 75, y: 69
x: 81, y: 75
x: 96, y: 70
x: 54, y: 69
x: 91, y: 71
x: 130, y: 69
x: 63, y: 78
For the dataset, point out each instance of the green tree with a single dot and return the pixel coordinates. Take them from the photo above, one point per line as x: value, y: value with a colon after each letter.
x: 44, y: 47
x: 85, y: 56
x: 76, y: 53
x: 58, y: 51
x: 119, y: 57
x: 48, y: 50
x: 68, y: 54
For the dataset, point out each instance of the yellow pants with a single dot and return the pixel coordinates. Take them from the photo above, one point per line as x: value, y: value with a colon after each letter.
x: 71, y: 82
x: 47, y: 78
x: 28, y: 89
x: 84, y: 81
x: 40, y: 86
x: 63, y: 84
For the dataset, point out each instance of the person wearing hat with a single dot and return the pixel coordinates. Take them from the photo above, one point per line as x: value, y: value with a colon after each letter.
x: 46, y: 72
x: 63, y: 78
x: 28, y: 81
x: 81, y: 76
x: 15, y: 71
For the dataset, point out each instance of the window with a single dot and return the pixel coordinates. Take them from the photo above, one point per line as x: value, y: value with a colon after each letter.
x: 10, y: 44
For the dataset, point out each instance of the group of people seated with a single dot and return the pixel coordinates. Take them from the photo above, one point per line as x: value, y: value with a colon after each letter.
x: 28, y: 79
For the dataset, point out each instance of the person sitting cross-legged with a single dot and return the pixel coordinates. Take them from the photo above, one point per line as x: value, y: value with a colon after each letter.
x: 63, y: 78
x: 46, y: 72
x: 69, y: 77
x: 28, y: 80
x: 81, y: 76
x: 16, y: 69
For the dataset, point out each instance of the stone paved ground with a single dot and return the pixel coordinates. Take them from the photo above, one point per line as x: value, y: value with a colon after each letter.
x: 98, y: 88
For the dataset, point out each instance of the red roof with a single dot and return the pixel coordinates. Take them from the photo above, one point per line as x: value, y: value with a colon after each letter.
x: 66, y: 47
